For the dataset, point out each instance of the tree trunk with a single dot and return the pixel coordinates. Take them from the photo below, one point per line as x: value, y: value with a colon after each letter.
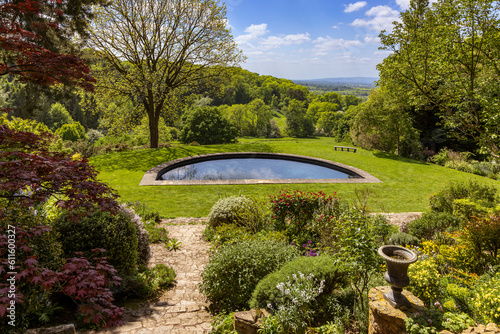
x: 153, y: 130
x: 153, y: 118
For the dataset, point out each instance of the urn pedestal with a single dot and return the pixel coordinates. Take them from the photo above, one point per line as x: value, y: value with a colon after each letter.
x: 397, y: 259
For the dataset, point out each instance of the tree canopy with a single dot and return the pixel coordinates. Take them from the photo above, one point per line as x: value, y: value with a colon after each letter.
x: 447, y: 56
x: 152, y: 48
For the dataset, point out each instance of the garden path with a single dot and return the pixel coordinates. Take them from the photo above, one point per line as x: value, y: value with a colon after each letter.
x: 181, y: 309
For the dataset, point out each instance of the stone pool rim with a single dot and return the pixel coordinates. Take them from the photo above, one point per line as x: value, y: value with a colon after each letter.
x: 152, y: 176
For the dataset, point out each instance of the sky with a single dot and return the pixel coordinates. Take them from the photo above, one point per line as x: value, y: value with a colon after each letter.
x: 312, y: 39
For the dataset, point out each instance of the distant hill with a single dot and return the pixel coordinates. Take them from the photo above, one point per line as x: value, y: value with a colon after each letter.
x: 344, y: 81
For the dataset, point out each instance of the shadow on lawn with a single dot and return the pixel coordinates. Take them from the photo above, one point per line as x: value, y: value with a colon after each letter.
x: 143, y: 160
x: 384, y: 155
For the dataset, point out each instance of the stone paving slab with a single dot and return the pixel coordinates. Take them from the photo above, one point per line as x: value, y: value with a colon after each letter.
x: 181, y: 309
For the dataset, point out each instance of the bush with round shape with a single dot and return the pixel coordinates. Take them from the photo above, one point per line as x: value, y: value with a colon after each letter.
x: 234, y: 271
x: 323, y: 268
x: 117, y: 234
x: 238, y: 210
x: 207, y: 126
x: 72, y: 132
x: 403, y: 239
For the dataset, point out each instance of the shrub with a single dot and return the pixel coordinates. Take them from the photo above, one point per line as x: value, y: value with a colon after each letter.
x: 84, y: 147
x: 117, y: 234
x: 223, y: 324
x: 486, y: 299
x: 382, y: 229
x: 207, y: 126
x: 294, y: 211
x: 403, y: 239
x: 425, y: 280
x: 457, y: 323
x: 462, y: 166
x: 466, y: 208
x: 431, y: 223
x: 231, y: 234
x: 72, y: 132
x: 323, y: 268
x: 441, y: 157
x: 143, y: 237
x: 149, y: 282
x: 239, y: 210
x: 233, y: 271
x: 34, y: 306
x: 147, y: 214
x: 480, y: 193
x: 94, y: 135
x: 296, y: 307
x: 484, y: 236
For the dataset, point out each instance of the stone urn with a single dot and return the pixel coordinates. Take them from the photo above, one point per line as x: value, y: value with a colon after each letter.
x: 397, y: 259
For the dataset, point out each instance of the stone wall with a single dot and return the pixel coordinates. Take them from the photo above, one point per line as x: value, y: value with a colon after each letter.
x: 385, y: 319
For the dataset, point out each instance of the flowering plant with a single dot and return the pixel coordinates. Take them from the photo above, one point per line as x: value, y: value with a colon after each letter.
x: 295, y: 309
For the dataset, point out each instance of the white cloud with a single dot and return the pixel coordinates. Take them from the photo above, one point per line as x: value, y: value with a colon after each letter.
x: 253, y: 33
x: 382, y: 18
x: 325, y: 44
x: 276, y: 41
x: 352, y: 7
x: 374, y: 40
x: 254, y: 39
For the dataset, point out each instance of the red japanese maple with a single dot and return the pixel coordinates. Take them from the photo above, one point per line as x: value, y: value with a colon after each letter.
x: 27, y: 51
x: 30, y: 174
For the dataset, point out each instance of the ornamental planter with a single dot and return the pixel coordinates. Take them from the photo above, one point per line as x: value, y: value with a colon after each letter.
x: 397, y: 259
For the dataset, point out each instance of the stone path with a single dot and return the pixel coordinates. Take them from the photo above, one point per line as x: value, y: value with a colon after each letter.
x: 180, y: 310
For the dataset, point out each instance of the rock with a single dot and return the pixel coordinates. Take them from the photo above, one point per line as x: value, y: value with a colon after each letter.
x: 384, y: 318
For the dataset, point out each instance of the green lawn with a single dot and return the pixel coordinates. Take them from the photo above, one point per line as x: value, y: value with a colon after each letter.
x: 406, y: 183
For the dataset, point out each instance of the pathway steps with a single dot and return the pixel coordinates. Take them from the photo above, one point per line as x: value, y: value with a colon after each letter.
x: 181, y: 309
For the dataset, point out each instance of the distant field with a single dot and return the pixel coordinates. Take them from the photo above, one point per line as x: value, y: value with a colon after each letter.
x: 406, y: 183
x: 361, y: 92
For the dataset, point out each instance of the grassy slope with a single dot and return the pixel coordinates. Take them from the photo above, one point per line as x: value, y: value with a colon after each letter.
x: 406, y: 183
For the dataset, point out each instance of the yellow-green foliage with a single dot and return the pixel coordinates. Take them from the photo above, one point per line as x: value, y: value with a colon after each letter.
x: 424, y: 280
x: 486, y: 299
x: 20, y: 124
x: 464, y: 207
x: 458, y: 256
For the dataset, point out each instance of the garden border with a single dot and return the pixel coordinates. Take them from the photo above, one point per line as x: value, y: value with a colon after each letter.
x: 150, y: 178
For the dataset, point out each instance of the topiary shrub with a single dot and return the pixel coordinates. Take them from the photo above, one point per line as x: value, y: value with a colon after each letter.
x: 234, y: 271
x: 117, y: 234
x: 322, y: 268
x: 431, y: 223
x: 239, y: 210
x: 403, y: 239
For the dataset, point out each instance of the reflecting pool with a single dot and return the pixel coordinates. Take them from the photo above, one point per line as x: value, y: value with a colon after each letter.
x: 252, y: 168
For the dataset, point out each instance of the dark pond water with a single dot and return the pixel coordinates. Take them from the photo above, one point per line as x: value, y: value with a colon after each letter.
x: 252, y: 168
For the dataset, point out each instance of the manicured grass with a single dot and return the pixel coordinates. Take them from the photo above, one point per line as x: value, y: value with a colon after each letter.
x: 406, y: 183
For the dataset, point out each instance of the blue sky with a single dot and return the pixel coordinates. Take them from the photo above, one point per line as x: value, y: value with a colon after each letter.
x: 311, y: 39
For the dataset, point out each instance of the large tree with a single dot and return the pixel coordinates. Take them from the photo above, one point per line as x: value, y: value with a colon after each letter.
x: 152, y: 48
x: 37, y: 40
x: 447, y: 55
